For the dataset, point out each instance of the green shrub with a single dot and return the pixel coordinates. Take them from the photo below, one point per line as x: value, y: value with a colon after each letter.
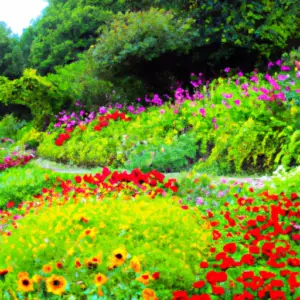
x: 140, y: 36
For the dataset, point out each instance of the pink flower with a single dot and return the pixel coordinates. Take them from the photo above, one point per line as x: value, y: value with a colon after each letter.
x: 227, y: 70
x: 227, y: 96
x: 282, y: 77
x: 240, y: 74
x: 285, y: 68
x: 202, y: 112
x: 214, y: 120
x: 270, y: 64
x: 237, y: 102
x: 278, y: 62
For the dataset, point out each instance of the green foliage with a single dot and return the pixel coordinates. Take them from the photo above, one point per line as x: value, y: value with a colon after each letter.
x: 64, y: 31
x: 21, y: 184
x: 171, y: 157
x: 11, y: 56
x: 10, y: 126
x: 34, y: 92
x: 142, y: 36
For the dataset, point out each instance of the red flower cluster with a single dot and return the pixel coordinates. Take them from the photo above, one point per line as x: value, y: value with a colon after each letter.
x: 15, y: 161
x: 256, y: 250
x: 152, y: 183
x: 104, y: 120
x: 62, y: 138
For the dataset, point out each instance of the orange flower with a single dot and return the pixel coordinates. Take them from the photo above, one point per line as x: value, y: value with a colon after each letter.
x: 100, y: 279
x: 47, y: 269
x: 118, y: 258
x: 135, y: 264
x: 100, y: 292
x: 149, y: 294
x: 144, y: 278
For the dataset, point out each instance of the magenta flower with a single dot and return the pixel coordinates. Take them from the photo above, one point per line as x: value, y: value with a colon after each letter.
x: 202, y: 112
x: 237, y: 102
x: 240, y: 74
x: 102, y: 110
x: 254, y: 79
x: 214, y: 120
x: 285, y: 68
x: 278, y: 62
x: 270, y: 64
x: 298, y: 74
x: 227, y: 70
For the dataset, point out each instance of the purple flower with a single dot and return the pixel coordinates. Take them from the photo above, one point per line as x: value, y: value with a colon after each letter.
x: 285, y: 68
x: 118, y: 105
x: 298, y: 74
x: 130, y: 108
x: 227, y: 70
x: 270, y: 64
x: 214, y: 120
x: 194, y: 84
x: 278, y: 62
x: 240, y: 74
x: 202, y: 112
x: 282, y: 77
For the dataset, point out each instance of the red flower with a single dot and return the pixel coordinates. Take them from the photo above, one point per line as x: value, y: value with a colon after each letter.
x: 277, y: 295
x: 248, y: 259
x: 230, y: 248
x: 184, y: 207
x: 199, y: 284
x: 201, y: 297
x: 78, y: 179
x: 254, y: 250
x: 218, y: 290
x: 212, y: 277
x: 180, y: 295
x: 10, y: 204
x: 267, y: 275
x: 296, y: 237
x: 156, y: 275
x: 204, y: 265
x: 216, y: 235
x: 294, y: 196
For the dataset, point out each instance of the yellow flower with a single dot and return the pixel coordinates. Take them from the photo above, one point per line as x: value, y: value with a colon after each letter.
x: 135, y: 264
x: 100, y: 279
x: 25, y: 284
x: 47, y: 269
x: 149, y: 294
x: 56, y: 284
x: 118, y: 258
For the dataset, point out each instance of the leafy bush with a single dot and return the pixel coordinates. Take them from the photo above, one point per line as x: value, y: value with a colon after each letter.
x: 140, y: 36
x: 35, y: 92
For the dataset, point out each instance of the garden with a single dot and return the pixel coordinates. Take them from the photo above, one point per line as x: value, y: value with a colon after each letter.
x: 112, y: 190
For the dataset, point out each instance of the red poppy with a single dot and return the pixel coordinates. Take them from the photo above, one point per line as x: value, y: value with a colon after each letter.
x: 204, y: 265
x: 180, y: 295
x: 10, y: 204
x: 156, y: 275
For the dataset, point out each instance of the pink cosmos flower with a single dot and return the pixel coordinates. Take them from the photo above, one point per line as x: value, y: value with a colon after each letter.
x: 237, y: 102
